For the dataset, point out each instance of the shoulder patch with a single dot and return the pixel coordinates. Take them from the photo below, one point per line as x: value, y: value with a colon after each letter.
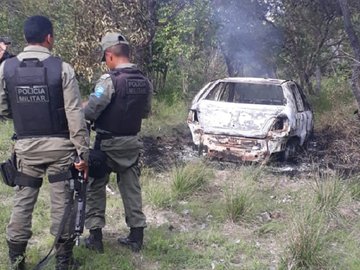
x: 99, y: 91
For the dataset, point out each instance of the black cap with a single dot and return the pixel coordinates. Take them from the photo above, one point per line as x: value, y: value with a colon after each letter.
x: 5, y: 40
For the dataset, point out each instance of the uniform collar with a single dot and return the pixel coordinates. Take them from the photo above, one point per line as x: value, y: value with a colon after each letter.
x: 36, y: 48
x: 127, y: 65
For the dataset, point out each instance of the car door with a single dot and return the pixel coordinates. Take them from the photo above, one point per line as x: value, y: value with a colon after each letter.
x: 308, y: 112
x: 303, y: 114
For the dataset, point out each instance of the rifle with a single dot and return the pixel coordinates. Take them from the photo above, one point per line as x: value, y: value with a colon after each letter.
x: 79, y: 184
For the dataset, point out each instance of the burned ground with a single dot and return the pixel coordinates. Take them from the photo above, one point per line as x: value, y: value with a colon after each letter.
x: 334, y: 147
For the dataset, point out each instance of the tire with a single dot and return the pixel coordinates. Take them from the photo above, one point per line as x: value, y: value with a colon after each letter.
x: 292, y: 147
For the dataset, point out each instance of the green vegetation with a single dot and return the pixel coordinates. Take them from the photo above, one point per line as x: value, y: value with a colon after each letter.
x: 188, y: 179
x: 306, y: 247
x: 237, y: 204
x: 200, y: 217
x: 354, y: 185
x: 330, y: 192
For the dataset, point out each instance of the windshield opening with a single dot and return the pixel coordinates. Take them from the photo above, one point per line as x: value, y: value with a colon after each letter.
x: 247, y: 93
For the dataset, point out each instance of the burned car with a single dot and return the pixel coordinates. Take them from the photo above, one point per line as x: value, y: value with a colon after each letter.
x: 250, y: 119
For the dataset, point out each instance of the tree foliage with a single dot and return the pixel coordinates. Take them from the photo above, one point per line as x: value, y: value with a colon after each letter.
x: 181, y: 44
x: 312, y: 36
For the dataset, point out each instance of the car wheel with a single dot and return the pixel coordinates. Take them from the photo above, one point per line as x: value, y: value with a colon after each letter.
x: 291, y: 148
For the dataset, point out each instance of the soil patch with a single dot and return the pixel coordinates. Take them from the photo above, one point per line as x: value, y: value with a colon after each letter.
x: 335, y: 148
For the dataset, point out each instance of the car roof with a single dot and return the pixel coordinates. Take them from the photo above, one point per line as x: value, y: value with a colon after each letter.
x: 253, y: 80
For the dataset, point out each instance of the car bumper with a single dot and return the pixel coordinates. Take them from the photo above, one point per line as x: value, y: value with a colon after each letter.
x: 241, y: 148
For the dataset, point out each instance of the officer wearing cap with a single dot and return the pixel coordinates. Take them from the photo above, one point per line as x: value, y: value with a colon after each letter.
x: 121, y: 99
x: 41, y: 94
x: 4, y: 54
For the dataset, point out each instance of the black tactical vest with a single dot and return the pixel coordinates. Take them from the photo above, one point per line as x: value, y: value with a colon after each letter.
x: 123, y: 116
x: 36, y: 97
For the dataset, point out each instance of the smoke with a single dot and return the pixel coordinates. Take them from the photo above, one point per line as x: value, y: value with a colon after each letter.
x: 247, y: 37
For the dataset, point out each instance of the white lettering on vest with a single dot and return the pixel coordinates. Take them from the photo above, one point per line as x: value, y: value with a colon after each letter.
x: 32, y: 94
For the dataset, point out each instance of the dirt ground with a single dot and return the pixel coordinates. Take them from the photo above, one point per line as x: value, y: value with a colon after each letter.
x: 327, y: 149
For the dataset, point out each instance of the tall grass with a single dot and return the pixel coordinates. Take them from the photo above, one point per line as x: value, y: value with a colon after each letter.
x: 329, y: 193
x: 307, y: 241
x: 185, y: 180
x: 354, y: 187
x: 238, y: 203
x: 158, y: 194
x: 243, y: 197
x: 251, y: 174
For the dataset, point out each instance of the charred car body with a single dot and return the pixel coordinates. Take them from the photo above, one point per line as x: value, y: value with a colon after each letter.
x: 250, y: 119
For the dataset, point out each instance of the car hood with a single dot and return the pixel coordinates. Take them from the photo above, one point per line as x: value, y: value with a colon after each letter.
x: 247, y: 120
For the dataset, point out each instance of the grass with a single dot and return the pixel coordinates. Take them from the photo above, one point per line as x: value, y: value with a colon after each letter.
x: 307, y: 241
x: 354, y: 187
x: 238, y: 203
x: 203, y: 218
x: 166, y: 119
x: 188, y: 179
x: 329, y: 193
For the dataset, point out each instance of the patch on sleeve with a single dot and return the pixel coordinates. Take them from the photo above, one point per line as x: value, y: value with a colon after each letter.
x: 99, y: 91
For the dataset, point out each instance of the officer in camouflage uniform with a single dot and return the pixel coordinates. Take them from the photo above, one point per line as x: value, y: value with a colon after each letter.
x: 122, y: 98
x: 41, y: 94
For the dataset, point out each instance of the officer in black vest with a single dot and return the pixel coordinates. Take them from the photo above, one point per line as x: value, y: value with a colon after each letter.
x: 41, y: 94
x: 122, y: 98
x: 4, y: 54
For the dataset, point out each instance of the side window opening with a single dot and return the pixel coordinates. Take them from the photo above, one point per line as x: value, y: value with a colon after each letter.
x: 227, y: 94
x: 298, y: 99
x: 305, y: 102
x: 215, y: 92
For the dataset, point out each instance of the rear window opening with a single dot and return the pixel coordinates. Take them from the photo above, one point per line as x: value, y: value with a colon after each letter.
x: 247, y: 93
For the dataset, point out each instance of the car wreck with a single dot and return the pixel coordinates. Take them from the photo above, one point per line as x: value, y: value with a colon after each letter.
x: 250, y: 119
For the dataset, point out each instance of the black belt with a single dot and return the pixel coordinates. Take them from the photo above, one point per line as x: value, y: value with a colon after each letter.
x: 107, y: 136
x: 19, y: 137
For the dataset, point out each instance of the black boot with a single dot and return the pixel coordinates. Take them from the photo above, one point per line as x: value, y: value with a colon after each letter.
x: 64, y: 255
x: 134, y: 241
x: 17, y: 255
x: 94, y: 241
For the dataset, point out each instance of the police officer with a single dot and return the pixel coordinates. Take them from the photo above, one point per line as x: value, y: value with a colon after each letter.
x: 4, y: 54
x: 41, y: 94
x: 121, y: 99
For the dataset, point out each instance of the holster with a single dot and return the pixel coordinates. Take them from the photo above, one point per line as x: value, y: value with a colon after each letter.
x: 12, y: 177
x: 97, y: 163
x: 8, y: 171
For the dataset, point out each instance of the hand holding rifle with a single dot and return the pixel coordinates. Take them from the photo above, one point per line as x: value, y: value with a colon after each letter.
x: 80, y: 196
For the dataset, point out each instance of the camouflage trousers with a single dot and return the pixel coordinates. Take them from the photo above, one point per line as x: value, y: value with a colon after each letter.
x: 122, y: 158
x: 37, y: 164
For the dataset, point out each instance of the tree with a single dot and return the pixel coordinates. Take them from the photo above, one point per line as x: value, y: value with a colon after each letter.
x: 185, y: 34
x: 312, y: 37
x: 134, y: 19
x: 355, y: 44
